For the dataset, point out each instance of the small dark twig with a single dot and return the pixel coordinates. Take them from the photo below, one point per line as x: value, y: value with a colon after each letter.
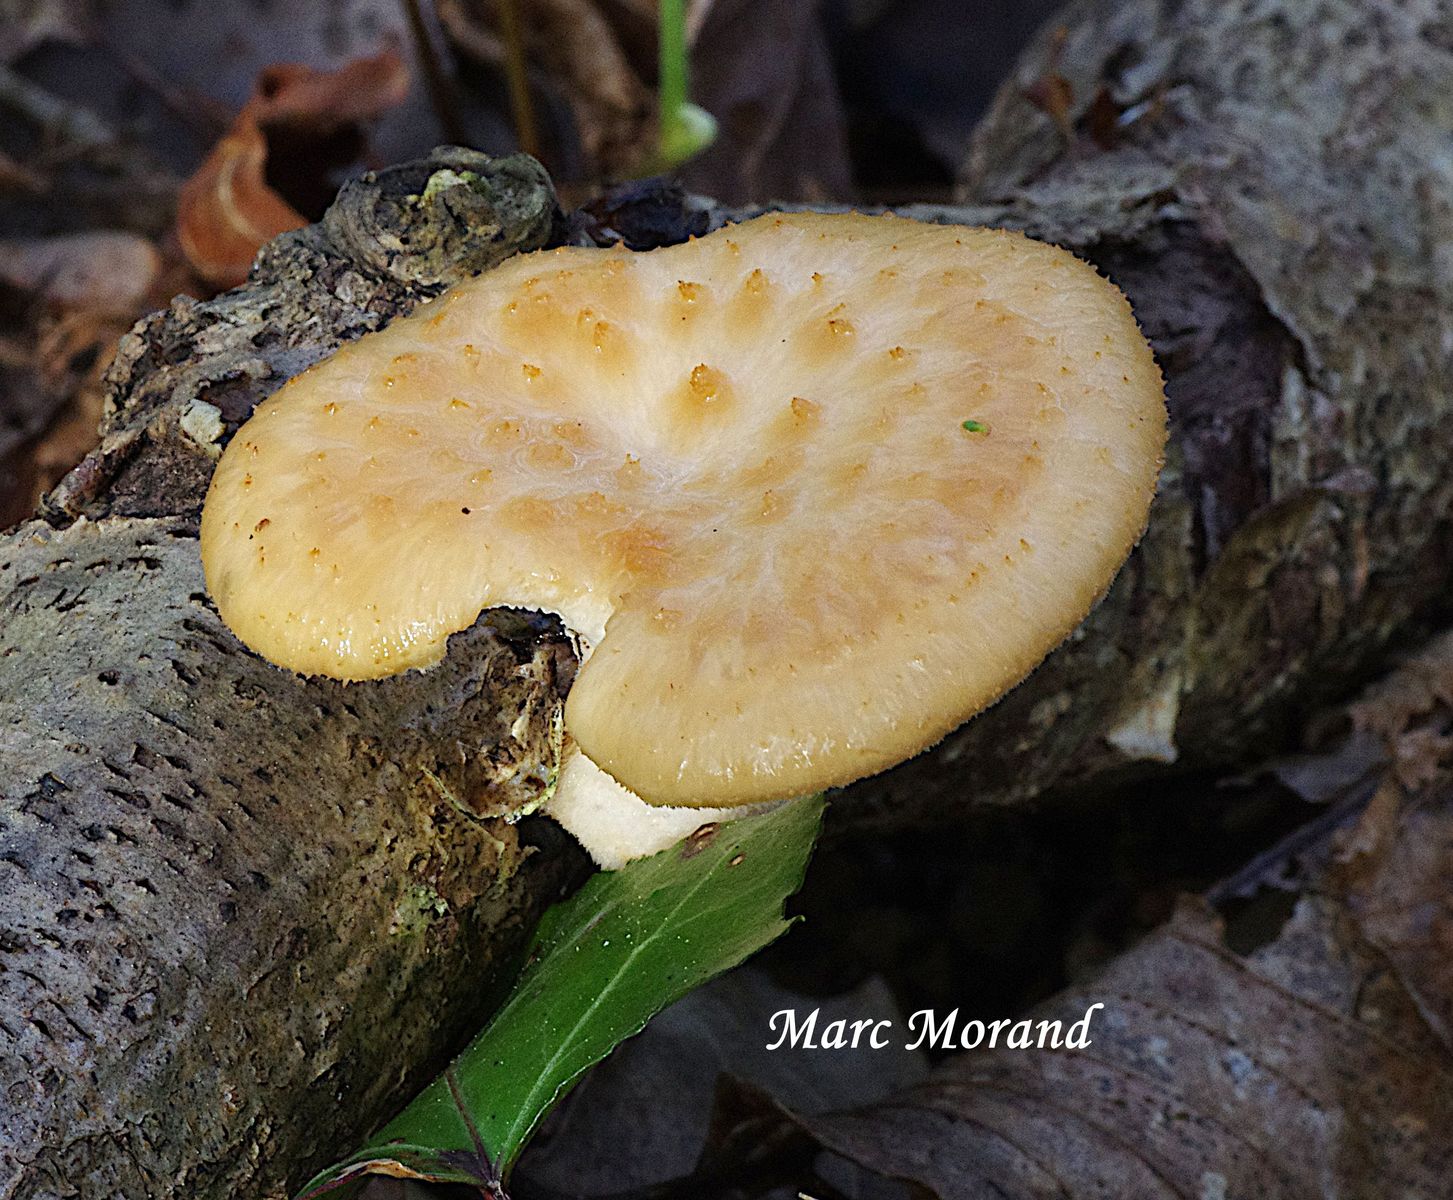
x: 436, y: 79
x: 204, y: 117
x: 493, y: 1188
x: 1313, y: 838
x: 522, y: 105
x: 72, y: 123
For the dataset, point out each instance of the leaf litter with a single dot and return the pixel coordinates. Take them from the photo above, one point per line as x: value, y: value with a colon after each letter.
x: 1319, y: 1063
x: 299, y: 124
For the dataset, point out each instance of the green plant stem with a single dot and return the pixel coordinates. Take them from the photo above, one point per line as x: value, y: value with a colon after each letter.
x: 672, y: 87
x: 683, y: 129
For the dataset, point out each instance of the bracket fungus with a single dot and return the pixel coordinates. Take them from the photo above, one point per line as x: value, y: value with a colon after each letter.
x: 811, y: 491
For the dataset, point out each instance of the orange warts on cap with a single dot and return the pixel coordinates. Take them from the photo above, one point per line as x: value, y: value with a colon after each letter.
x: 812, y: 490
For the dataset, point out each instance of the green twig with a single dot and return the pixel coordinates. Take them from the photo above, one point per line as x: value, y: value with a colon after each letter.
x: 671, y: 47
x: 684, y: 130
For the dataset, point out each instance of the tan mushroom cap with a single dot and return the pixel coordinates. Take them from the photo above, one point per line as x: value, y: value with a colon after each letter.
x: 738, y: 468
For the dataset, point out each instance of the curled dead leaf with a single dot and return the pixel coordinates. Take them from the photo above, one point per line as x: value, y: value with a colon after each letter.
x: 300, y: 122
x: 226, y: 210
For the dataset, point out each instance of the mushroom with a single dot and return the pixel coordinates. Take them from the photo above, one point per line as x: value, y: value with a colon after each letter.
x: 811, y: 491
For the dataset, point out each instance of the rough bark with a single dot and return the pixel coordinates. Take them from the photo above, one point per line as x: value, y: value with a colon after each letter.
x: 1268, y: 181
x: 242, y: 913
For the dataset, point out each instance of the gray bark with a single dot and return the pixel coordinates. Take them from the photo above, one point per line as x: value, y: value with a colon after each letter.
x: 1268, y: 180
x: 243, y: 914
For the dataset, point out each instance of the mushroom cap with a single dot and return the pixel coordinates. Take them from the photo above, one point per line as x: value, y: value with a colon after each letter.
x: 813, y: 489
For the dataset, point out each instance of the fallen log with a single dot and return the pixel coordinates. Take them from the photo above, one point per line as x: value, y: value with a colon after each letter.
x: 1267, y: 186
x: 241, y: 915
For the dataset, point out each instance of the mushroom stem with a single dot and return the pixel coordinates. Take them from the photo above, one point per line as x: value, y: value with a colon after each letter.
x: 614, y: 824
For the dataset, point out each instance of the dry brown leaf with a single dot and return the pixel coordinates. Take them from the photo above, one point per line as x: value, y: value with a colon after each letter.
x: 109, y: 270
x: 51, y: 398
x: 25, y: 411
x: 1394, y: 871
x: 65, y: 445
x: 1302, y: 1071
x: 73, y: 353
x: 228, y: 209
x: 1317, y: 1065
x: 613, y: 108
x: 1412, y: 712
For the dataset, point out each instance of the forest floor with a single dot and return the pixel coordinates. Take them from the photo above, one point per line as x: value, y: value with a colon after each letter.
x: 112, y: 119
